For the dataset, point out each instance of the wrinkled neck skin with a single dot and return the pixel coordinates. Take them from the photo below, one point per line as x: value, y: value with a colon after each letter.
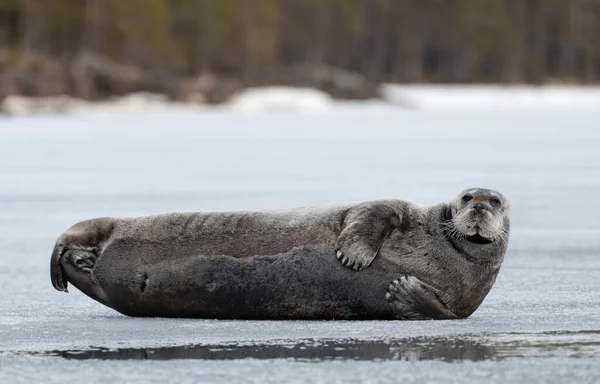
x: 476, y: 248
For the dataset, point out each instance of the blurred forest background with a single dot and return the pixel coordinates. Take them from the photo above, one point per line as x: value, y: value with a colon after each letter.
x: 93, y: 49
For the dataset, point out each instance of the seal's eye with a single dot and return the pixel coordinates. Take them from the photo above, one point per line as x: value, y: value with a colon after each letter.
x: 467, y: 198
x: 495, y: 202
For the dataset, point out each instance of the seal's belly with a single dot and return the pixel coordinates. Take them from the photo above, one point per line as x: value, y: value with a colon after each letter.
x: 305, y: 283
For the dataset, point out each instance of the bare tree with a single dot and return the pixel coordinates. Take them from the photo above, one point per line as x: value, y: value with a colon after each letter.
x: 30, y: 25
x: 90, y: 38
x: 206, y: 33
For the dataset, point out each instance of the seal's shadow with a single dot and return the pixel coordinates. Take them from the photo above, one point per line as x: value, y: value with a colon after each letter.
x: 417, y: 349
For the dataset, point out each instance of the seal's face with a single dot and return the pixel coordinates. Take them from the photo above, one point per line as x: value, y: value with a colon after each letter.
x: 481, y: 215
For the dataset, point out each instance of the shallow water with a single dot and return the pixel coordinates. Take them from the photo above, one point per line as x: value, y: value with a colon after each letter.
x: 449, y: 348
x: 541, y: 321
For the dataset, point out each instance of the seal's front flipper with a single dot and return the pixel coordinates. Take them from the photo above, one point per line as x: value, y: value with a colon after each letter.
x: 412, y: 299
x: 358, y: 254
x: 364, y: 230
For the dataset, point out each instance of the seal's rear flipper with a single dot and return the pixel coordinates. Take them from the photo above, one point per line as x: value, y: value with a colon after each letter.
x: 57, y: 275
x: 81, y: 260
x: 77, y: 260
x: 87, y: 237
x: 77, y: 267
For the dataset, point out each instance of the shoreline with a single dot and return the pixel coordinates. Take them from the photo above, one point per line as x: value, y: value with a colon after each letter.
x: 286, y: 99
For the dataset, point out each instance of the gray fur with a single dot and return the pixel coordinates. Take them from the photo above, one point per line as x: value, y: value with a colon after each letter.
x: 417, y: 262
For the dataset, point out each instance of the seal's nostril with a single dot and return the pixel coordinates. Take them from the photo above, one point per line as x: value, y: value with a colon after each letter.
x: 479, y: 207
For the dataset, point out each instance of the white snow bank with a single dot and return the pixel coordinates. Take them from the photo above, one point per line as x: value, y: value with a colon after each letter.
x: 21, y: 105
x: 492, y: 96
x: 251, y: 100
x: 307, y: 100
x: 281, y: 99
x: 134, y: 103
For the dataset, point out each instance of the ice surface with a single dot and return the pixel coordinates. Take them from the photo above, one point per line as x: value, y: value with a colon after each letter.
x: 55, y: 171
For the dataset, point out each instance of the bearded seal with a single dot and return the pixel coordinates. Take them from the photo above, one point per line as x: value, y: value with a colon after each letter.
x: 395, y: 260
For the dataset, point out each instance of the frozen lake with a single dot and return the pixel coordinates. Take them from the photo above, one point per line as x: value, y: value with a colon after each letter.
x: 540, y: 322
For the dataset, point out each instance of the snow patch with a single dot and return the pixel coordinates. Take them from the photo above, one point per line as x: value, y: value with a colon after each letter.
x: 134, y: 103
x: 468, y: 97
x: 280, y: 99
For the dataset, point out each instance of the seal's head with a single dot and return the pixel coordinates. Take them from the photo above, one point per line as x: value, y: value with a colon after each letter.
x: 481, y: 216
